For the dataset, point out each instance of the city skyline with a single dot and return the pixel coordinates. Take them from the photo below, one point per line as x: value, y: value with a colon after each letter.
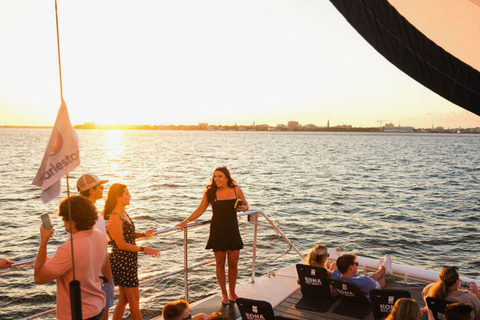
x: 190, y: 63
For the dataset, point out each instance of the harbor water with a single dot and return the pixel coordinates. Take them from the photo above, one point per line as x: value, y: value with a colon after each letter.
x: 414, y: 196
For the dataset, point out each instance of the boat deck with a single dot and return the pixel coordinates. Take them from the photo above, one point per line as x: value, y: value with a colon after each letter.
x: 287, y: 307
x: 283, y: 292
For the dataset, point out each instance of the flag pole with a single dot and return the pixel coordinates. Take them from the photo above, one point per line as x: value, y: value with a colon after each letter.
x: 75, y: 289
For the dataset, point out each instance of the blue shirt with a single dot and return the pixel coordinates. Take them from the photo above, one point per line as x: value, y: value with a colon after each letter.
x: 363, y: 282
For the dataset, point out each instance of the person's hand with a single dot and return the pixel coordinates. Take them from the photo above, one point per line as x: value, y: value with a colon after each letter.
x: 154, y: 253
x: 473, y: 288
x: 182, y: 224
x: 243, y: 208
x: 425, y: 312
x: 45, y: 235
x: 108, y: 225
x: 5, y: 263
x: 149, y: 232
x: 200, y: 316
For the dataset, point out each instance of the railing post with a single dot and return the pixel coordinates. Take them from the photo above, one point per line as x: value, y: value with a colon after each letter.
x: 185, y: 262
x: 254, y: 216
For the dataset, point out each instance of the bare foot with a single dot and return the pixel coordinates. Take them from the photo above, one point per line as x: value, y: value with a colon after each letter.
x: 233, y: 297
x: 225, y: 299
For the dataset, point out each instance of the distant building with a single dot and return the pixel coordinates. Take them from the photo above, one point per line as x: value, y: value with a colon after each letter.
x: 293, y: 124
x: 328, y: 123
x: 389, y: 125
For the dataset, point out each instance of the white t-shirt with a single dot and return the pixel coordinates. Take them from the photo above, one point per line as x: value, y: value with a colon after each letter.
x: 100, y: 225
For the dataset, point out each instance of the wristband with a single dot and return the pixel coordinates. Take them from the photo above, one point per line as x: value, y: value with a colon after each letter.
x: 142, y: 249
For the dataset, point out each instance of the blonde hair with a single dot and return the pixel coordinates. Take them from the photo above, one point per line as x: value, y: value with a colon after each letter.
x: 317, y: 256
x: 404, y: 309
x: 448, y: 276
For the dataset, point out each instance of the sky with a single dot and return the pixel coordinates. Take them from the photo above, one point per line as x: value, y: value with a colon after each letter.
x: 214, y: 61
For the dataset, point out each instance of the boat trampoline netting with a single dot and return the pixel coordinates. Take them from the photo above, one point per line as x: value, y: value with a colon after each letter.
x: 437, y: 43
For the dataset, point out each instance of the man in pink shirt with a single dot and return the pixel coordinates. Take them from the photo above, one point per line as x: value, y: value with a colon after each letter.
x: 90, y: 249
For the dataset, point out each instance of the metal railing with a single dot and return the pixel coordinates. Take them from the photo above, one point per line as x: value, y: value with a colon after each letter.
x: 252, y: 219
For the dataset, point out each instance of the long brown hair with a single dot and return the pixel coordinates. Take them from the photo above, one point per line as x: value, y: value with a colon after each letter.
x: 448, y: 276
x: 116, y: 190
x: 211, y: 189
x: 404, y: 309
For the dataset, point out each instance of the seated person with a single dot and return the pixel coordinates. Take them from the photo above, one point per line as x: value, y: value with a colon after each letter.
x: 459, y: 311
x: 346, y: 271
x: 318, y: 257
x: 407, y: 309
x: 179, y: 310
x: 448, y: 288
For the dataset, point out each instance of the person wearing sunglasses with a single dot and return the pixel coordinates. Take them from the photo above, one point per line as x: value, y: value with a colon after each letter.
x: 347, y: 266
x: 179, y: 310
x: 318, y: 257
x: 448, y: 287
x: 226, y: 199
x: 91, y: 187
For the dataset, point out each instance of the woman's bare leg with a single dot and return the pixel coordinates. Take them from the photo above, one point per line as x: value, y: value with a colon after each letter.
x: 220, y: 257
x: 121, y: 304
x: 233, y: 256
x: 133, y: 298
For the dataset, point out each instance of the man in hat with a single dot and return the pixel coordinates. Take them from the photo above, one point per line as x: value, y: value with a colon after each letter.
x: 91, y: 187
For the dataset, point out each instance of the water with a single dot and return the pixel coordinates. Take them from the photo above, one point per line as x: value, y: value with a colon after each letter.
x: 414, y: 196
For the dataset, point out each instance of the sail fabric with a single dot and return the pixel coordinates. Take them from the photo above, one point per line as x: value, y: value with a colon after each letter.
x: 61, y: 156
x: 436, y: 42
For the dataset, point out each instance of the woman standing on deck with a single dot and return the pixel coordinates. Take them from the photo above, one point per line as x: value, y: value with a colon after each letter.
x: 222, y: 193
x: 124, y: 251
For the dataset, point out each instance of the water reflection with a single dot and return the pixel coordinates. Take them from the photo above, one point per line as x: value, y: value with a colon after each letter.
x: 114, y: 146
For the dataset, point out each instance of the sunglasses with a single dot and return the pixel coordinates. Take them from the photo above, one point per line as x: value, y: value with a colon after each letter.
x: 189, y: 317
x: 356, y: 263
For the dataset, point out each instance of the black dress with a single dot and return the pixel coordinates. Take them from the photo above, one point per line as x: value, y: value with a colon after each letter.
x: 124, y: 263
x: 224, y: 233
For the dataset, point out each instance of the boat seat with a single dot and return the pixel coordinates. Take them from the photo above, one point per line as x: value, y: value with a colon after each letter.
x: 315, y: 287
x: 354, y: 302
x: 438, y: 307
x: 384, y: 299
x: 257, y: 309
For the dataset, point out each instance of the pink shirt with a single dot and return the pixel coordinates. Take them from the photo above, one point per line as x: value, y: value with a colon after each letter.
x: 90, y: 249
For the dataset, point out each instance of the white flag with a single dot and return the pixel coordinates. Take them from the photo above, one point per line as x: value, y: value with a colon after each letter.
x: 60, y: 158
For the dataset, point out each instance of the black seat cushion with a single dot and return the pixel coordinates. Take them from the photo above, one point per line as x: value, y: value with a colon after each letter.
x: 315, y: 287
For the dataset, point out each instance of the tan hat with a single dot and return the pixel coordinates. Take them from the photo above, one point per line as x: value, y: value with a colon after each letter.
x: 88, y: 181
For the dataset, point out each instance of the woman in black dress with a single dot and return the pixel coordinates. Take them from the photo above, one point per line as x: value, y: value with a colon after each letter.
x: 124, y: 251
x: 222, y: 193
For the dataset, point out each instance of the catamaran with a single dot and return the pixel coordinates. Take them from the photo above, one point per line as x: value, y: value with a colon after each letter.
x: 417, y: 37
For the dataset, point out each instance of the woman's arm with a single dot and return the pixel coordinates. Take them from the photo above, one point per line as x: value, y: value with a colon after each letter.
x: 116, y: 232
x: 195, y: 214
x: 117, y: 235
x: 244, y: 207
x: 146, y: 234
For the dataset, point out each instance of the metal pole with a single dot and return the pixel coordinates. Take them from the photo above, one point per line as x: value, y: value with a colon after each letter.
x: 185, y: 262
x: 254, y: 254
x: 281, y: 234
